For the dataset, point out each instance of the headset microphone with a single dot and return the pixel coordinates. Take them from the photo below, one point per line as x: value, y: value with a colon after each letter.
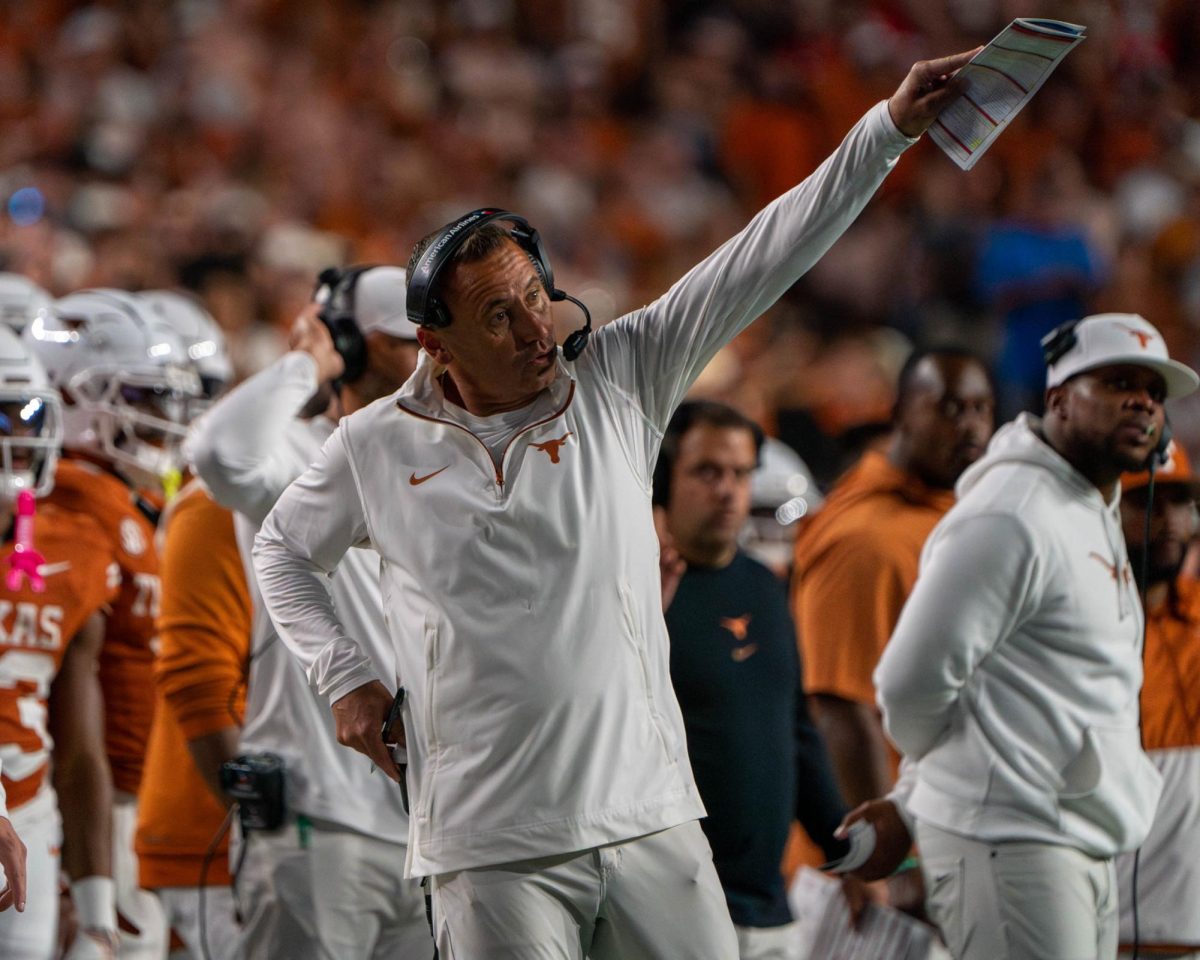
x: 576, y: 342
x: 1151, y: 430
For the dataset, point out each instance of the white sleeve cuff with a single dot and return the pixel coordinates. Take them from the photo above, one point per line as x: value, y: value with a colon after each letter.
x: 333, y: 688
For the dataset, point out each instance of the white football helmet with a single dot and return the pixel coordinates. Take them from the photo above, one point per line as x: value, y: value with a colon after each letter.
x: 782, y: 490
x: 20, y: 300
x: 199, y: 332
x: 128, y: 386
x: 31, y: 421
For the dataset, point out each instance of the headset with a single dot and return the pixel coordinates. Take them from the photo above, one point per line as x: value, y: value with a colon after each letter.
x: 1059, y: 342
x: 335, y: 291
x: 426, y: 310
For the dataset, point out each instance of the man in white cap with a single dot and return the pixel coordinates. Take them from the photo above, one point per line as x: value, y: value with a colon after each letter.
x: 1011, y: 681
x: 328, y: 882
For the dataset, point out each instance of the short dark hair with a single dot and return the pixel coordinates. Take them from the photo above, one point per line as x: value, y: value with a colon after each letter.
x: 691, y: 414
x: 908, y: 372
x: 478, y: 244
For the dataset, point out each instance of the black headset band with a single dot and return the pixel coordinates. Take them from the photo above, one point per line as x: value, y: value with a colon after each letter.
x: 1059, y: 342
x: 423, y: 278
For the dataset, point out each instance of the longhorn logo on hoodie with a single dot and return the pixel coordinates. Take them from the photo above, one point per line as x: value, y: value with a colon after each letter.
x: 1111, y: 568
x: 551, y: 448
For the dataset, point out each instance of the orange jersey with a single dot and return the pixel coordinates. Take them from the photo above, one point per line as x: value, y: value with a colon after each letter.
x: 856, y: 563
x: 127, y: 659
x: 1171, y: 689
x: 204, y: 631
x: 35, y: 629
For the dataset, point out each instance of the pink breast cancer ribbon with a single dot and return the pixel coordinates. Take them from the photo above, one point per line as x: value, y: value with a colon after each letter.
x: 24, y: 561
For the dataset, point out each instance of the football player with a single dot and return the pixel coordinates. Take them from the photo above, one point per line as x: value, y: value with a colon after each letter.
x: 55, y: 580
x: 128, y: 391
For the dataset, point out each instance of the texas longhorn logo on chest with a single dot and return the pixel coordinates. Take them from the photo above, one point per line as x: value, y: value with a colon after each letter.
x: 551, y: 448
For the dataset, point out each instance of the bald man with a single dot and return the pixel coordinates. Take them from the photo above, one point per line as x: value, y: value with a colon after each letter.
x: 856, y: 560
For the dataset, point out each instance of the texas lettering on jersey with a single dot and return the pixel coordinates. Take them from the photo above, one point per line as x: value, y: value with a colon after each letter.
x: 35, y: 629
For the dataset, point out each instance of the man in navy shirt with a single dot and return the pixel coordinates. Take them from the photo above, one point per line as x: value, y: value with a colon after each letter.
x: 758, y: 760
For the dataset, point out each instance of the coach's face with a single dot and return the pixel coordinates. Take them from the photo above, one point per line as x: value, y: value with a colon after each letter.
x: 1113, y: 416
x: 499, y: 348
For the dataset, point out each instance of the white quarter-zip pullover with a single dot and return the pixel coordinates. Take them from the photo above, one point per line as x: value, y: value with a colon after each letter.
x: 523, y: 597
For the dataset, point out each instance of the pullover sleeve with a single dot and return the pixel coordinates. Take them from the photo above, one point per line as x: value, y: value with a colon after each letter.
x: 657, y: 352
x: 978, y: 577
x: 237, y: 448
x: 204, y: 627
x: 316, y: 520
x: 901, y: 793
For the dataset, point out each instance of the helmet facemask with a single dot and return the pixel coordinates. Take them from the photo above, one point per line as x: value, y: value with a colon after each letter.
x: 139, y: 418
x: 31, y: 432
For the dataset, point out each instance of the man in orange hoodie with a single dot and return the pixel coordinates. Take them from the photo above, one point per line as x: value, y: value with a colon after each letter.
x: 856, y: 560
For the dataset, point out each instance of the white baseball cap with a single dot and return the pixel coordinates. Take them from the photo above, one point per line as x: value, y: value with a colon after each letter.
x: 380, y: 302
x: 1109, y: 339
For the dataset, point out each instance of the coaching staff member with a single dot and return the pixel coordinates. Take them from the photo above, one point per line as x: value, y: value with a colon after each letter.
x: 507, y: 493
x: 1012, y: 677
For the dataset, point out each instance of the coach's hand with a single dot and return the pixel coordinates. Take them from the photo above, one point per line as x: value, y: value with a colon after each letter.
x: 927, y: 90
x: 892, y: 839
x: 312, y: 336
x: 359, y: 716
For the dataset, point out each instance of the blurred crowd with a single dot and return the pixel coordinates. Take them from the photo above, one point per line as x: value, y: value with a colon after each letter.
x: 233, y: 148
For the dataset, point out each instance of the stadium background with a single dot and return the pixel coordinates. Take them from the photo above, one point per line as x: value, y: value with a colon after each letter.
x: 235, y: 147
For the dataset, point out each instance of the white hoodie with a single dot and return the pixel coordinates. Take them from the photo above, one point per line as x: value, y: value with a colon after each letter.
x: 1013, y: 674
x: 523, y: 601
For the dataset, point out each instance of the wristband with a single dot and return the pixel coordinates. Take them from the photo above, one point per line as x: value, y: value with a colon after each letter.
x: 908, y: 863
x: 95, y: 900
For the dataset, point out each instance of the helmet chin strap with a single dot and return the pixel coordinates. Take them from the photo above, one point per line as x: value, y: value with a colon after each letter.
x: 142, y: 463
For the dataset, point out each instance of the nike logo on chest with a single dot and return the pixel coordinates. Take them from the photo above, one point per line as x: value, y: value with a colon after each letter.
x: 417, y: 481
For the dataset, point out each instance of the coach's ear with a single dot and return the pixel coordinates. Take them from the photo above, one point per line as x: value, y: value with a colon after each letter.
x: 434, y: 345
x: 1055, y: 399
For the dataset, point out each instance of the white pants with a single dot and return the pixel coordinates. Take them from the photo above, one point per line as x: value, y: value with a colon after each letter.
x: 652, y: 898
x: 33, y: 935
x: 770, y: 943
x: 140, y: 908
x: 1018, y: 901
x: 325, y: 893
x: 221, y: 932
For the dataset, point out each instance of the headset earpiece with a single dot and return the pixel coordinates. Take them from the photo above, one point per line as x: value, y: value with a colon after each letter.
x: 337, y: 288
x: 1058, y: 342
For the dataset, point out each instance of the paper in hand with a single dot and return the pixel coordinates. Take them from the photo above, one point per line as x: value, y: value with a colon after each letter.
x: 862, y: 845
x: 998, y: 82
